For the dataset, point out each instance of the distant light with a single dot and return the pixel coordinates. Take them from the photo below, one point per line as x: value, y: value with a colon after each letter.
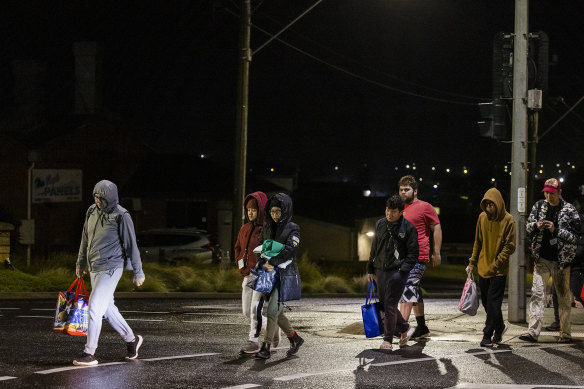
x: 568, y: 163
x: 536, y: 176
x: 437, y: 209
x: 336, y: 168
x: 573, y: 167
x: 447, y: 170
x: 203, y: 156
x: 493, y: 180
x: 559, y: 171
x: 396, y: 168
x: 465, y: 171
x: 414, y: 167
x: 561, y: 179
x: 272, y: 169
x: 540, y: 171
x: 557, y: 165
x: 433, y: 167
x: 420, y: 179
x: 464, y: 197
x: 407, y: 166
x: 541, y: 165
x: 366, y: 193
x: 435, y: 186
x: 370, y: 234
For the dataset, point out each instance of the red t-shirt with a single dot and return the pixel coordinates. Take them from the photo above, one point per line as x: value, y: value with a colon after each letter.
x: 422, y: 215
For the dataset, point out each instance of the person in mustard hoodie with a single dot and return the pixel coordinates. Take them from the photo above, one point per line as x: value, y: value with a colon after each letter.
x: 494, y: 243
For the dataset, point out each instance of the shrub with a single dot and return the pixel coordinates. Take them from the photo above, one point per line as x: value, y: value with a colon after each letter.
x: 334, y: 284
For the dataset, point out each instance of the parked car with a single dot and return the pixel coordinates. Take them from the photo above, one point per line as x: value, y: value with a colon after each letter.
x: 176, y: 246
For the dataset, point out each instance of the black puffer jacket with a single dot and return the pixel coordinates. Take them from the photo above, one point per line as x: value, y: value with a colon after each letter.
x: 288, y: 234
x: 385, y: 243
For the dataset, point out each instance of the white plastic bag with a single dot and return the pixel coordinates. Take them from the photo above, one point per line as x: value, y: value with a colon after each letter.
x: 469, y: 301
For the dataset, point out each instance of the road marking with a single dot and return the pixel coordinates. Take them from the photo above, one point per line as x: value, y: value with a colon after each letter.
x: 244, y: 386
x: 6, y: 378
x: 145, y: 320
x: 60, y: 369
x: 214, y: 314
x: 9, y: 308
x: 212, y: 322
x: 42, y: 309
x: 145, y: 312
x: 180, y: 357
x: 507, y: 386
x: 232, y: 307
x: 43, y: 317
x: 302, y: 375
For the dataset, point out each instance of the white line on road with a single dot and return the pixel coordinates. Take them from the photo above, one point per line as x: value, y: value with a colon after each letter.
x: 145, y: 320
x: 180, y: 357
x: 6, y: 378
x: 42, y: 309
x: 214, y: 314
x: 238, y: 307
x: 212, y: 322
x: 9, y: 308
x: 43, y: 317
x: 509, y: 386
x: 60, y: 369
x: 244, y: 386
x: 145, y: 312
x: 302, y: 375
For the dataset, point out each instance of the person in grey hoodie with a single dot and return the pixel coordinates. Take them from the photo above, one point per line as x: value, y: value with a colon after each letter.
x: 108, y: 245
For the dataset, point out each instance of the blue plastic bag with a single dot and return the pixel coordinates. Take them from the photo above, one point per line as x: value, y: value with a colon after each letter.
x: 265, y: 281
x: 371, y: 312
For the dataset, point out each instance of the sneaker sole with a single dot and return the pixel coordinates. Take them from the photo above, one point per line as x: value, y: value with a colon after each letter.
x: 140, y: 340
x: 92, y: 363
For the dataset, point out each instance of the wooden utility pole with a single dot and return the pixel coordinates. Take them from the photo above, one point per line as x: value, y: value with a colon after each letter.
x: 239, y: 175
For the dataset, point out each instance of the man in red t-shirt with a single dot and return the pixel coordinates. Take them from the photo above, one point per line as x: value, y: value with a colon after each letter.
x: 424, y: 217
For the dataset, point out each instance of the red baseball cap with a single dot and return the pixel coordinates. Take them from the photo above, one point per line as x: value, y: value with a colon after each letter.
x: 552, y: 185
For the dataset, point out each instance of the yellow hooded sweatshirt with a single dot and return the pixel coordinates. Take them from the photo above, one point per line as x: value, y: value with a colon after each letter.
x: 494, y: 239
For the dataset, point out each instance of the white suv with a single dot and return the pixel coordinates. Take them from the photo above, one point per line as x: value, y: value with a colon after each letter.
x: 175, y: 246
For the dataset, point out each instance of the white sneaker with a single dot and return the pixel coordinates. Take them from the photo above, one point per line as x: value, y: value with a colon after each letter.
x: 406, y: 336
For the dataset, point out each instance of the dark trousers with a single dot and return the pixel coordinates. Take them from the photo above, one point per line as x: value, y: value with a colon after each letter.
x: 577, y: 283
x: 391, y: 287
x: 492, y: 291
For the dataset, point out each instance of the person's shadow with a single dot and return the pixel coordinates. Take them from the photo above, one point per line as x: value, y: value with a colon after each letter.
x: 379, y: 368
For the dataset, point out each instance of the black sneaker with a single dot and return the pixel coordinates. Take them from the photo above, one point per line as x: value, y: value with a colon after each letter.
x: 555, y: 326
x: 486, y: 343
x: 497, y: 338
x: 421, y: 332
x: 134, y: 346
x: 85, y: 360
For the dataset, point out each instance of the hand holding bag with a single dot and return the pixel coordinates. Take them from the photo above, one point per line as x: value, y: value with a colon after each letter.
x: 71, y: 314
x: 469, y: 301
x: 372, y: 322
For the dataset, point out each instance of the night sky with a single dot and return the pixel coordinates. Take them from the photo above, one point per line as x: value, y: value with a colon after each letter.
x: 356, y: 88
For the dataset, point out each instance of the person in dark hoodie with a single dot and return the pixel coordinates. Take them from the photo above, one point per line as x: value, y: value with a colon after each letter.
x: 108, y: 245
x: 249, y: 238
x: 394, y: 252
x: 494, y: 243
x: 279, y: 227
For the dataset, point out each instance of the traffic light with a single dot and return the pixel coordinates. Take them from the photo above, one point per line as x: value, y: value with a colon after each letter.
x: 493, y: 124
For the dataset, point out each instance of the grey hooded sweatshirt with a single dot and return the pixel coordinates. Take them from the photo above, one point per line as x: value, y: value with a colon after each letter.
x: 103, y: 234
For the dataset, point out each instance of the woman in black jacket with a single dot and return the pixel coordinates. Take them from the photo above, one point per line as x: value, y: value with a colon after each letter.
x: 279, y: 227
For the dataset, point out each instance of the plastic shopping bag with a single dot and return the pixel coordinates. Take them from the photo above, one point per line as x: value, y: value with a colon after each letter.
x: 265, y: 281
x: 71, y: 314
x: 469, y: 301
x: 371, y: 312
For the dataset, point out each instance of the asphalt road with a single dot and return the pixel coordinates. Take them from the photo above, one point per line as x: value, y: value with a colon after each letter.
x: 195, y: 344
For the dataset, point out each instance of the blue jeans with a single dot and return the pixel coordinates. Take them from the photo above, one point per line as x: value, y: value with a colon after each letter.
x: 101, y: 304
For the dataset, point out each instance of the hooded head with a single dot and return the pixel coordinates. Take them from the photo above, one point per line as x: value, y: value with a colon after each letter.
x: 109, y: 191
x: 282, y: 201
x: 260, y: 200
x: 494, y: 196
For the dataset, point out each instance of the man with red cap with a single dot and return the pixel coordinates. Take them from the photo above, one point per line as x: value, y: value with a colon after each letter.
x: 553, y: 226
